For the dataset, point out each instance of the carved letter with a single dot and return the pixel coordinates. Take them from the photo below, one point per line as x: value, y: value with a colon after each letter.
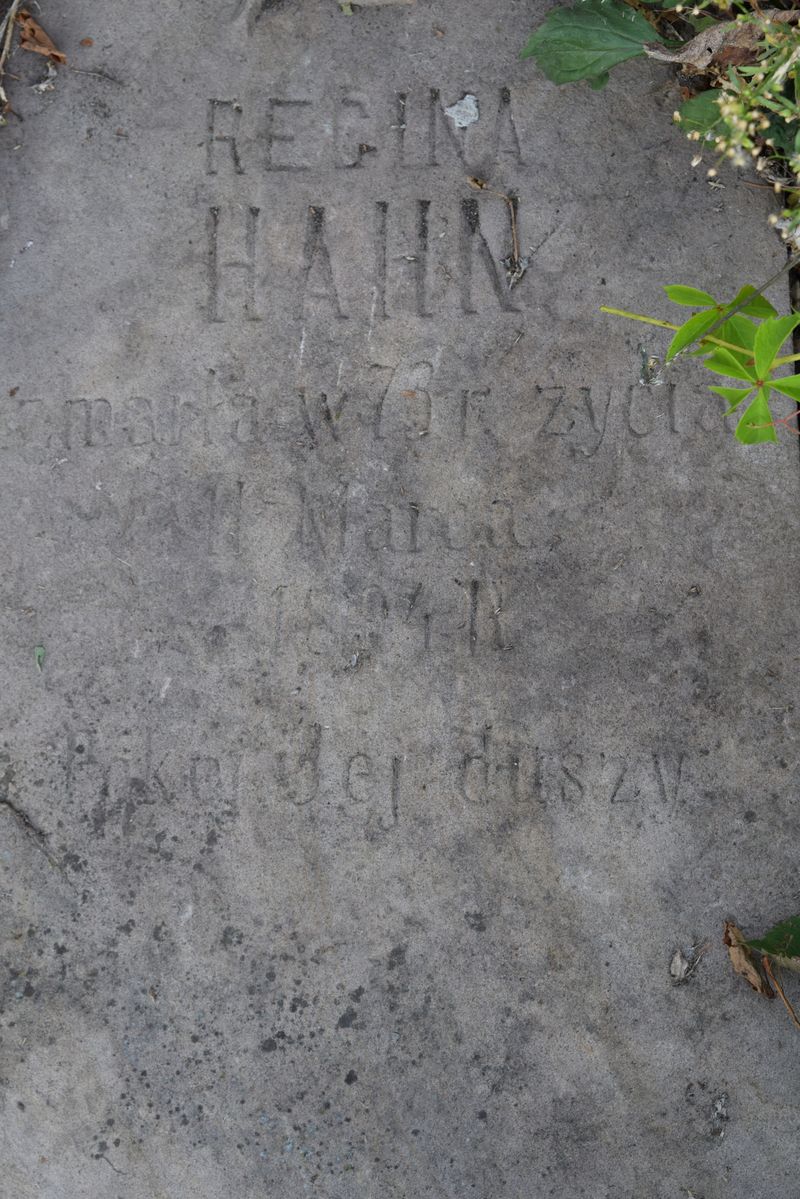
x: 417, y: 260
x: 317, y: 260
x: 272, y: 136
x: 228, y: 138
x: 474, y: 242
x: 247, y: 265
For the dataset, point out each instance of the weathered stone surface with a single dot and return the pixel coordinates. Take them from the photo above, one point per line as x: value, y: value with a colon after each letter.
x: 415, y: 681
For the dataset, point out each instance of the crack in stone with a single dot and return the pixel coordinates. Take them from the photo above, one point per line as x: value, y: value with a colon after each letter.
x: 29, y: 826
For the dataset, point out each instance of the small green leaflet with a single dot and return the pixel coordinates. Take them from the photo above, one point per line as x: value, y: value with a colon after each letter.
x: 788, y: 385
x: 38, y: 656
x: 725, y: 363
x: 690, y: 297
x: 732, y: 396
x: 584, y: 42
x: 756, y: 424
x: 770, y: 337
x: 781, y: 942
x: 691, y: 330
x: 758, y: 306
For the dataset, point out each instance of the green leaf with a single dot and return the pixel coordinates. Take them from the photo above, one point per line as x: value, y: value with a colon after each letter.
x: 732, y: 396
x: 725, y: 363
x: 598, y: 82
x: 690, y: 297
x: 690, y: 331
x: 38, y: 656
x: 758, y: 307
x: 782, y: 941
x: 770, y: 337
x: 756, y: 425
x: 701, y: 113
x: 788, y: 385
x: 584, y: 42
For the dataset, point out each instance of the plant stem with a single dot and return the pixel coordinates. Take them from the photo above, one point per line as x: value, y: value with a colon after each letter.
x: 650, y: 320
x: 636, y: 316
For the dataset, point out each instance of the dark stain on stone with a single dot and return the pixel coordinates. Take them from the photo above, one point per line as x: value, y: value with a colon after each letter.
x: 476, y: 921
x: 74, y: 862
x: 350, y: 1077
x: 269, y: 1045
x: 347, y: 1018
x: 357, y: 994
x: 397, y: 957
x: 231, y: 936
x: 218, y: 636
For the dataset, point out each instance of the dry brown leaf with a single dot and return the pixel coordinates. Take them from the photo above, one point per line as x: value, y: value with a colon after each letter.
x: 734, y: 42
x: 743, y: 961
x: 87, y: 41
x: 33, y: 37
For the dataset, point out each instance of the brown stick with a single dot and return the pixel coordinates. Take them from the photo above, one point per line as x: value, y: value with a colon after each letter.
x: 483, y: 186
x: 7, y: 29
x: 771, y: 976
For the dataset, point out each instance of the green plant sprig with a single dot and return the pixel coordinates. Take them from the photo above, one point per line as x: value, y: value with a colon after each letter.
x: 747, y: 350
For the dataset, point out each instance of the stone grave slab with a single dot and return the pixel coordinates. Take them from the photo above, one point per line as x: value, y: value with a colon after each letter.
x: 411, y: 681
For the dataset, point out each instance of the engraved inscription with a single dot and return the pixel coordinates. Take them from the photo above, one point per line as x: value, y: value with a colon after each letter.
x: 400, y: 401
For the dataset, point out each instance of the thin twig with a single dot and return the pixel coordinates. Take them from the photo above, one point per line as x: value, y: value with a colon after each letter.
x: 7, y: 33
x: 771, y: 976
x: 699, y: 953
x: 511, y: 201
x: 97, y: 74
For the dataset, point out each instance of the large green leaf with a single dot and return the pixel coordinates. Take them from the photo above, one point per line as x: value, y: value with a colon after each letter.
x: 756, y: 424
x: 584, y: 42
x: 782, y: 941
x: 770, y: 337
x: 701, y: 113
